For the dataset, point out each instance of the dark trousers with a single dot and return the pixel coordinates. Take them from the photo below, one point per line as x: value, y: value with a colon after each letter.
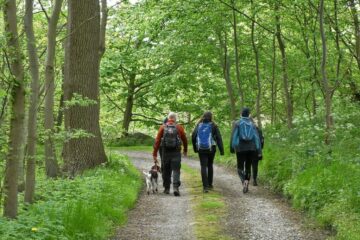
x: 172, y: 165
x: 207, y: 170
x: 254, y: 165
x: 244, y: 160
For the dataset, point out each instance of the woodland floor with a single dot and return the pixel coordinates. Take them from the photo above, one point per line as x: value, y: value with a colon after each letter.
x: 259, y: 214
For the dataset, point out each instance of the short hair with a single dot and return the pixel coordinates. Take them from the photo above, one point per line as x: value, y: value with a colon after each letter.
x: 207, y: 116
x: 245, y: 112
x: 172, y: 116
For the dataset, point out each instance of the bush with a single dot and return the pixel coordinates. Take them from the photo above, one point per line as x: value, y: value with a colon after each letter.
x: 136, y: 139
x: 321, y: 179
x: 88, y: 207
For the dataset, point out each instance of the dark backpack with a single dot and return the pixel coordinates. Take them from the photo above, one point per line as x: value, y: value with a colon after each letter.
x: 171, y: 138
x: 204, y: 139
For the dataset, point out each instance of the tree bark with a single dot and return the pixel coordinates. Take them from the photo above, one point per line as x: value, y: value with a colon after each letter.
x: 225, y: 62
x: 17, y: 110
x: 51, y: 164
x: 257, y: 70
x: 325, y: 83
x: 129, y: 104
x: 83, y: 79
x: 237, y: 62
x: 287, y: 93
x: 32, y: 116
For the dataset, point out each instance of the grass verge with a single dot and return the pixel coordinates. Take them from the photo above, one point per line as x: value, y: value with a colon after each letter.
x: 88, y: 207
x: 209, y: 209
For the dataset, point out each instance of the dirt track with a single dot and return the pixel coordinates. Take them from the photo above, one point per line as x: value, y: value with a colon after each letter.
x: 255, y: 215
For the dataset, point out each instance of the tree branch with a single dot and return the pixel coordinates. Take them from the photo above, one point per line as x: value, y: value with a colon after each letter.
x: 44, y: 11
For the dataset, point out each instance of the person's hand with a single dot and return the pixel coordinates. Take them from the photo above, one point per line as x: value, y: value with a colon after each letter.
x: 155, y: 160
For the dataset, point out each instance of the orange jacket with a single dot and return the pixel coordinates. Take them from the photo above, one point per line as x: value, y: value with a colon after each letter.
x: 160, y: 134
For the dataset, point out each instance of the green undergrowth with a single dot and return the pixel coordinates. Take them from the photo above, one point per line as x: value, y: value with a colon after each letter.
x: 87, y: 207
x: 322, y: 180
x: 209, y: 208
x: 134, y: 139
x: 132, y: 148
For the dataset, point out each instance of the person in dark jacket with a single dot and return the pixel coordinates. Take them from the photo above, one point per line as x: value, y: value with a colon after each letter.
x: 255, y: 162
x: 207, y: 154
x: 246, y: 144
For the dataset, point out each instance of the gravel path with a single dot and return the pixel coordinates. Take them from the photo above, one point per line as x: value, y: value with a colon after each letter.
x: 158, y: 216
x: 252, y: 216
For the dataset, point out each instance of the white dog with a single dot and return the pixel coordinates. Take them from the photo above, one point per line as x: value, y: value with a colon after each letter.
x: 152, y: 179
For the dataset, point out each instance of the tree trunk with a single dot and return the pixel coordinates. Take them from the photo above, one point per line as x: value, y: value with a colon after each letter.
x: 355, y: 16
x: 258, y: 80
x: 32, y: 117
x: 129, y: 104
x: 103, y: 22
x: 287, y: 93
x: 17, y: 110
x: 237, y: 63
x: 273, y: 84
x: 326, y: 87
x: 315, y: 77
x: 51, y: 164
x: 21, y: 166
x: 225, y: 62
x: 83, y: 79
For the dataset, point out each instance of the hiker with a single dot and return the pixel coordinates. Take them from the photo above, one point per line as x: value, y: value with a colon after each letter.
x: 245, y: 142
x: 161, y: 157
x: 205, y: 137
x: 255, y: 162
x: 170, y: 137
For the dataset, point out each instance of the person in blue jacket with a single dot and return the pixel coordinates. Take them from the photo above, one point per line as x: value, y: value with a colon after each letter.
x: 205, y: 137
x: 246, y: 143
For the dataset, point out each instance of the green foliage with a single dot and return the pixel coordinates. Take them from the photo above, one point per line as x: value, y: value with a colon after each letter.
x: 136, y: 139
x: 87, y: 207
x: 323, y: 180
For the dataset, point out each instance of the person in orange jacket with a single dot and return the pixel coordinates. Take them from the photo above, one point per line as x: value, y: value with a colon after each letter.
x: 171, y: 136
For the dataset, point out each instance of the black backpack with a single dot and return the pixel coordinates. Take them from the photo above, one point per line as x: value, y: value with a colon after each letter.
x: 170, y: 139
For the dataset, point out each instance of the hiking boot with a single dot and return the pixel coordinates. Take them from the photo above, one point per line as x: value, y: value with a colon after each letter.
x: 255, y: 182
x: 246, y: 186
x: 167, y: 190
x: 176, y: 191
x: 206, y: 190
x: 211, y: 187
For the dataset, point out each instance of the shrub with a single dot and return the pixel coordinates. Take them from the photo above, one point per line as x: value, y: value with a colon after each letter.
x: 88, y: 207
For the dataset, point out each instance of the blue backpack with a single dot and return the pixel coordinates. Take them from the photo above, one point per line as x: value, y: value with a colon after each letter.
x: 204, y: 140
x: 246, y: 131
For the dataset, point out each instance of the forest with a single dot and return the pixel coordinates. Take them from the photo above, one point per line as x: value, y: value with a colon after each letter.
x: 84, y: 81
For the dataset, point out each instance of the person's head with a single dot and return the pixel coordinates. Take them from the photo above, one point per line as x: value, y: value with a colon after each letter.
x: 172, y: 116
x: 245, y: 112
x: 207, y: 116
